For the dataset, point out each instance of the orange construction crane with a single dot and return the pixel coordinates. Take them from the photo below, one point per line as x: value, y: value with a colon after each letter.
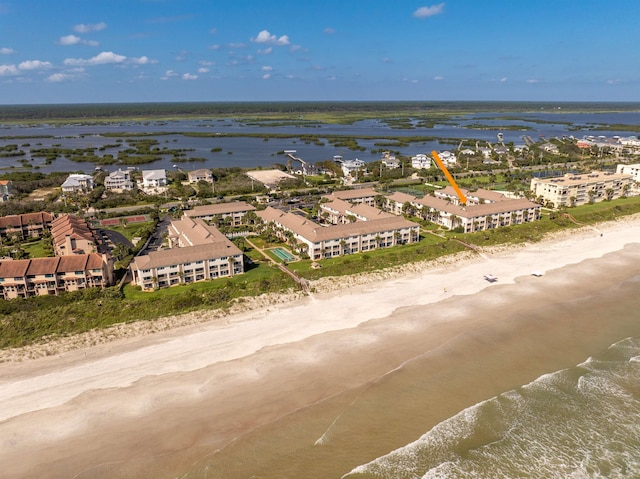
x: 439, y: 162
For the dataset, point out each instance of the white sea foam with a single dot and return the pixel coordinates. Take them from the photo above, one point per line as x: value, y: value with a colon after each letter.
x: 575, y: 423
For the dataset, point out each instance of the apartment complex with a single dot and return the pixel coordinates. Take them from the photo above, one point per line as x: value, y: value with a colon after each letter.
x: 197, y: 252
x: 234, y: 212
x: 319, y: 241
x: 484, y: 210
x: 29, y: 225
x: 579, y: 189
x: 71, y: 235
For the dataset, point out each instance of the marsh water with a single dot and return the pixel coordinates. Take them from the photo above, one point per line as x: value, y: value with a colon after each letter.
x: 215, y: 151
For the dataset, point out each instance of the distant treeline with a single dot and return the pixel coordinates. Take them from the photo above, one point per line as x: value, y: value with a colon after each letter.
x: 107, y: 111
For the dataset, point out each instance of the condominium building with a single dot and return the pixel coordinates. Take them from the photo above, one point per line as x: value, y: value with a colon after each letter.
x: 319, y: 241
x: 579, y: 189
x: 77, y: 183
x: 43, y: 276
x: 197, y: 252
x: 234, y: 211
x: 29, y: 225
x: 486, y: 210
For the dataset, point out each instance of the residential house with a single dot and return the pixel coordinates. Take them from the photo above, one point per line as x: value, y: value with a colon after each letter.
x: 154, y: 179
x: 77, y: 183
x: 200, y: 175
x: 421, y: 162
x: 6, y: 189
x: 119, y: 181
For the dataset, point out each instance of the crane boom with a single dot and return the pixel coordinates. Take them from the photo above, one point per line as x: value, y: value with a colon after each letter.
x: 452, y: 182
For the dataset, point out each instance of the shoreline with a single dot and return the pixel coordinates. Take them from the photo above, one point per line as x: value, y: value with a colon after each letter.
x: 251, y: 369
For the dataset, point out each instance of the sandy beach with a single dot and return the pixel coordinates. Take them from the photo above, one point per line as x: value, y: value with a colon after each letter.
x: 157, y: 399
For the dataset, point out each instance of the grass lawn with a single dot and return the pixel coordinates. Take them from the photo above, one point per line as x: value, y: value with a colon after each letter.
x: 36, y: 249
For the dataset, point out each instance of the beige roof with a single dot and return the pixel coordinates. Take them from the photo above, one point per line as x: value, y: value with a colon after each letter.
x: 354, y: 194
x: 480, y: 193
x: 473, y: 211
x: 175, y: 256
x: 316, y: 233
x: 194, y: 231
x: 360, y: 209
x: 219, y: 209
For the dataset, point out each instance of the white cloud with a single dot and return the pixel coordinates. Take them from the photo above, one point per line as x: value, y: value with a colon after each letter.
x: 237, y: 45
x: 75, y: 40
x: 267, y: 68
x: 438, y: 78
x: 214, y: 47
x: 203, y: 70
x: 89, y: 27
x: 6, y: 51
x: 503, y: 80
x: 266, y: 76
x: 267, y: 38
x: 213, y: 31
x: 69, y: 40
x: 266, y: 51
x: 105, y: 58
x: 33, y: 65
x: 424, y: 12
x: 6, y: 70
x: 533, y: 80
x: 189, y: 76
x: 206, y: 63
x: 329, y: 31
x: 143, y: 60
x: 168, y: 74
x: 58, y: 77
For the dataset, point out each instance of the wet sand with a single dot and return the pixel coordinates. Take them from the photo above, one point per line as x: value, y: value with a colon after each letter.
x: 319, y: 386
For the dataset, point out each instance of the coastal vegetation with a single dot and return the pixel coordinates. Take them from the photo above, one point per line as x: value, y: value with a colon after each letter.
x: 25, y: 321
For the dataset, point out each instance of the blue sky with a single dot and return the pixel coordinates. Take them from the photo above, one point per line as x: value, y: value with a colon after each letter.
x: 89, y: 51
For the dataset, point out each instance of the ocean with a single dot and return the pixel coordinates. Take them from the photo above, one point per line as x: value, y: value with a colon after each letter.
x: 539, y: 381
x: 580, y: 422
